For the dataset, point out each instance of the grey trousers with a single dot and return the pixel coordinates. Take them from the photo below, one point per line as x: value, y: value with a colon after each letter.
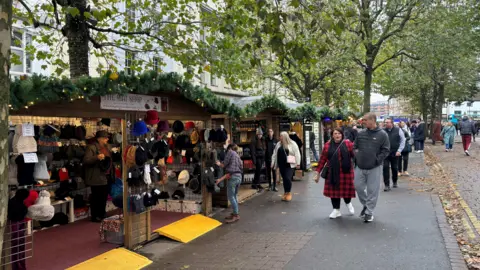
x: 367, y: 184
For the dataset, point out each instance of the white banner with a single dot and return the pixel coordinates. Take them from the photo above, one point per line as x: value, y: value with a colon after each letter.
x: 132, y: 102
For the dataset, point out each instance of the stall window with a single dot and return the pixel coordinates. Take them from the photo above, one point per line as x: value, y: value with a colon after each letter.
x: 129, y: 58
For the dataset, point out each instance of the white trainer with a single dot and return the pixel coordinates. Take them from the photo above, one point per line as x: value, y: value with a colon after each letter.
x: 335, y: 213
x: 351, y: 210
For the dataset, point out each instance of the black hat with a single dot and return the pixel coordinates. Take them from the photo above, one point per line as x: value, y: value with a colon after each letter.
x: 105, y: 121
x: 212, y: 136
x: 163, y: 195
x: 60, y: 218
x: 134, y: 176
x: 102, y: 134
x: 178, y: 194
x: 48, y: 130
x: 221, y: 135
x: 183, y: 142
x: 16, y: 208
x: 177, y: 126
x: 25, y: 171
x: 140, y: 156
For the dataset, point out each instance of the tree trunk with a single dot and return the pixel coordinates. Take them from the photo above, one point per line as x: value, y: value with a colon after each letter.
x: 433, y: 110
x: 5, y: 38
x: 367, y: 89
x: 440, y: 100
x: 77, y: 39
x: 424, y: 103
x: 327, y: 96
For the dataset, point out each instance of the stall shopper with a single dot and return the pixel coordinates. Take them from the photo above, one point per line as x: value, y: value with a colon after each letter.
x: 234, y: 167
x: 271, y: 142
x: 286, y: 157
x: 258, y: 155
x: 98, y: 167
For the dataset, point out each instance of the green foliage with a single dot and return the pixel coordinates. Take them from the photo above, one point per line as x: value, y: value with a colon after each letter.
x: 266, y: 102
x: 307, y: 111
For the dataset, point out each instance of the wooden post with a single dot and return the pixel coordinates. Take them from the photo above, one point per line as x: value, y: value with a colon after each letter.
x: 126, y: 216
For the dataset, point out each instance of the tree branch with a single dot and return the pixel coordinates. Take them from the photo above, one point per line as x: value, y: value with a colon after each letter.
x: 359, y: 62
x: 123, y: 33
x: 395, y: 55
x: 30, y: 13
x: 55, y: 11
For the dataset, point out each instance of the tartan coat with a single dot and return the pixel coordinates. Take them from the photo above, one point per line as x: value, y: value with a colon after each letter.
x: 346, y: 188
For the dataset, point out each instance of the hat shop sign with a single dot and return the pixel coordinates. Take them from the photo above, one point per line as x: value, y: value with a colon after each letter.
x: 132, y: 102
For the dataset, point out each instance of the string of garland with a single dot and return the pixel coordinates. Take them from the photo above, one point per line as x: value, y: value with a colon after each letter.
x: 28, y: 91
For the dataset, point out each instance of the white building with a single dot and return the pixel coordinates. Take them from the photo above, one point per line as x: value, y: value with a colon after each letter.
x: 459, y: 109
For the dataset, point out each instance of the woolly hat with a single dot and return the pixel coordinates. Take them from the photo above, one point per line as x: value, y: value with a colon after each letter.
x: 163, y: 126
x: 183, y: 177
x: 42, y: 210
x: 31, y: 199
x: 48, y: 130
x: 41, y: 171
x: 178, y: 126
x: 151, y: 118
x: 140, y: 156
x: 221, y: 135
x: 139, y: 128
x: 189, y: 125
x: 212, y: 135
x: 105, y: 121
x: 25, y: 145
x: 24, y: 171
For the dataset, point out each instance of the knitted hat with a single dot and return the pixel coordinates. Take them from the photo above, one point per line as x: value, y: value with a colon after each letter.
x: 189, y: 125
x: 48, y: 144
x: 222, y: 136
x: 178, y: 126
x: 139, y: 128
x: 31, y: 199
x: 63, y: 174
x: 183, y: 177
x: 48, y: 130
x: 134, y: 176
x: 41, y: 171
x: 163, y: 126
x: 25, y: 145
x: 152, y: 117
x: 212, y: 135
x: 24, y: 171
x: 42, y: 210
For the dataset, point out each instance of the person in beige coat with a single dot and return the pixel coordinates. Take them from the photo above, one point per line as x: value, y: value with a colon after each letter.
x: 286, y: 157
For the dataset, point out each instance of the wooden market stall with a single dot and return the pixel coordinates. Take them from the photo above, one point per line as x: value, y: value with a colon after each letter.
x: 175, y: 101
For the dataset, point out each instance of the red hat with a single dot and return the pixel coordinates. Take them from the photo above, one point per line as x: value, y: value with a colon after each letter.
x: 152, y: 117
x: 32, y: 197
x: 189, y: 125
x: 63, y: 174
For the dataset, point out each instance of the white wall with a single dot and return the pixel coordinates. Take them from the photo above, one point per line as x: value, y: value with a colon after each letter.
x: 463, y: 109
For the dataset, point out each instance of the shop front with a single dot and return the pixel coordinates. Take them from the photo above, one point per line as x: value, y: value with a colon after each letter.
x: 157, y: 162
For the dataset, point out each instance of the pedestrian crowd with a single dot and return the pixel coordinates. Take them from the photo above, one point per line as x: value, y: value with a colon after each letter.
x: 352, y: 161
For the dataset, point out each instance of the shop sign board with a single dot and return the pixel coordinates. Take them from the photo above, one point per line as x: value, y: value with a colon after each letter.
x: 133, y: 102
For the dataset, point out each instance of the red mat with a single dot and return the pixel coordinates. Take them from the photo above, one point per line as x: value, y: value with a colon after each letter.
x: 67, y: 245
x: 162, y: 218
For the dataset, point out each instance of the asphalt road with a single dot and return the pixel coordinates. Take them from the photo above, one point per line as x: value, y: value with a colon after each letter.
x: 299, y: 235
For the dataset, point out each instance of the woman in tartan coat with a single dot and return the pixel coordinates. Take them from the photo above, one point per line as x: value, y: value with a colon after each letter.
x: 339, y: 181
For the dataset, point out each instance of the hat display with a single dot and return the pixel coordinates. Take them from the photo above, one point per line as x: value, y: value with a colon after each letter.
x: 41, y: 171
x: 139, y: 128
x: 152, y: 117
x: 42, y: 210
x: 163, y: 126
x: 102, y: 134
x: 189, y: 125
x: 183, y: 177
x: 177, y: 126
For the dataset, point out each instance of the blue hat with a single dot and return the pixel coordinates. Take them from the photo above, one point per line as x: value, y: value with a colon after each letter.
x: 139, y: 128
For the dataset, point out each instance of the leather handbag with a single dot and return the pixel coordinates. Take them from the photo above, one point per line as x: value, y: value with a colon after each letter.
x: 290, y: 159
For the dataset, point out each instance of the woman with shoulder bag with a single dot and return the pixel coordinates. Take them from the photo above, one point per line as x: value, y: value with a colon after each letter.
x: 403, y: 160
x: 286, y: 157
x: 336, y: 168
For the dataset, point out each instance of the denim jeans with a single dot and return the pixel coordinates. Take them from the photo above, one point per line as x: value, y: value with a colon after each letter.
x: 232, y: 191
x: 448, y: 146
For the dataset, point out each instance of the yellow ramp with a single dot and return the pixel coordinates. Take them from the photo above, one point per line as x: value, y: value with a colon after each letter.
x: 189, y: 228
x: 115, y: 259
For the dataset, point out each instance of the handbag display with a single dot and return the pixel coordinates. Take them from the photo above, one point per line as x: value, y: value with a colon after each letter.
x: 324, y: 171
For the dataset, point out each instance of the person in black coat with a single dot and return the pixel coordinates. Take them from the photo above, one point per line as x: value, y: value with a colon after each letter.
x: 419, y: 135
x: 270, y: 142
x: 258, y: 156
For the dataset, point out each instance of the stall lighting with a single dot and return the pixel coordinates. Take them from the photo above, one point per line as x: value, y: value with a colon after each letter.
x: 64, y: 91
x: 10, y: 105
x: 31, y: 102
x: 26, y: 107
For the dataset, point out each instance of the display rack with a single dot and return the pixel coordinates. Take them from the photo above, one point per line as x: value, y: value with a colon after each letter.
x: 17, y: 245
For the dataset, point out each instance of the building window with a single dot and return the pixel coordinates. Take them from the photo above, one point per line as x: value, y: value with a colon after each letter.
x: 130, y: 12
x: 20, y: 41
x: 156, y: 64
x: 213, y: 80
x: 469, y: 104
x: 457, y: 112
x: 129, y: 58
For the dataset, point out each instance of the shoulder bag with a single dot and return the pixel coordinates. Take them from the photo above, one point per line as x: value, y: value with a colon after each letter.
x: 324, y: 171
x: 290, y: 159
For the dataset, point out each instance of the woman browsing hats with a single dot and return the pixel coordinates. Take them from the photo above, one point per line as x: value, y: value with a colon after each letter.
x: 286, y: 157
x: 98, y: 169
x: 234, y: 167
x: 337, y: 158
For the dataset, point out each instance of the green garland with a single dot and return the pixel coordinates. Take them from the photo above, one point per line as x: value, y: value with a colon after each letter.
x: 37, y: 88
x: 266, y: 102
x: 28, y: 91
